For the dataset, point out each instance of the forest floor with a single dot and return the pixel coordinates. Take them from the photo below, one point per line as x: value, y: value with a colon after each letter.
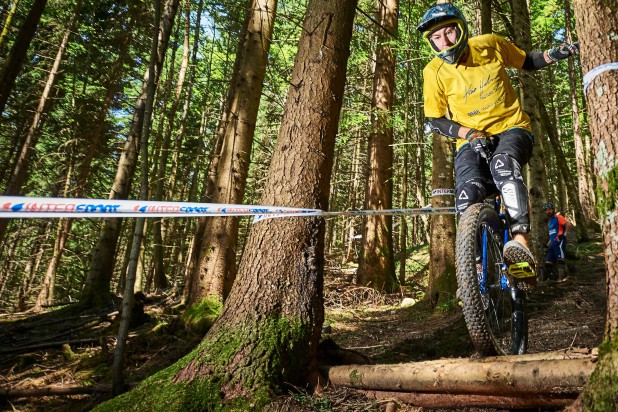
x: 64, y: 349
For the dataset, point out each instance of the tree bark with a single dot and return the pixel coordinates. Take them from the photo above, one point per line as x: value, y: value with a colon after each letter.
x: 376, y: 267
x: 585, y: 189
x: 267, y: 334
x: 596, y: 23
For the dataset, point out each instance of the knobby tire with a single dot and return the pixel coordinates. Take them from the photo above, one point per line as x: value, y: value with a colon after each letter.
x: 495, y: 316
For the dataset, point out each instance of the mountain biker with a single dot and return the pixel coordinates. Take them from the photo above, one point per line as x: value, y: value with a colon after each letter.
x: 558, y: 228
x: 467, y: 79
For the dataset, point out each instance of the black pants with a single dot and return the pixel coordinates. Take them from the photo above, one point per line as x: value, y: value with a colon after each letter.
x: 476, y: 178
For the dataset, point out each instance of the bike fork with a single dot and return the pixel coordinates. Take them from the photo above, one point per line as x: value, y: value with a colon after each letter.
x: 520, y: 322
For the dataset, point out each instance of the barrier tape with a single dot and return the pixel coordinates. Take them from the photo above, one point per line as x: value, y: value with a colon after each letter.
x: 41, y: 207
x: 590, y: 76
x: 441, y: 192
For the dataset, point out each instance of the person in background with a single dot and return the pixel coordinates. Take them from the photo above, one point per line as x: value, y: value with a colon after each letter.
x: 468, y: 96
x: 558, y: 226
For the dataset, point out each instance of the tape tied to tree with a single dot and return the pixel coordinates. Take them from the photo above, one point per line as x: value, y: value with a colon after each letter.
x: 442, y: 192
x: 593, y: 73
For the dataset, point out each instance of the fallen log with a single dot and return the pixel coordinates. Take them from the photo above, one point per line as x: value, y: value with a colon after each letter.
x: 53, y: 391
x: 57, y: 391
x: 449, y: 400
x: 47, y: 345
x: 469, y: 376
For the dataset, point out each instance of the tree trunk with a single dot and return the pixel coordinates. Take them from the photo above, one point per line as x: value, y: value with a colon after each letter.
x: 15, y: 59
x: 46, y: 294
x: 486, y: 23
x: 97, y: 284
x: 159, y: 279
x: 128, y: 299
x: 268, y: 331
x: 216, y: 268
x: 377, y: 264
x: 585, y: 189
x: 442, y: 279
x: 537, y: 179
x: 596, y: 23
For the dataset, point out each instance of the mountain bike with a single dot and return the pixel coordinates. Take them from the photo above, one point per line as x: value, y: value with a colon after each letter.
x: 494, y: 304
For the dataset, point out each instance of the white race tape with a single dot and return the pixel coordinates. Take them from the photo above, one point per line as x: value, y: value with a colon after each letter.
x: 17, y: 206
x: 41, y: 207
x: 440, y: 192
x: 589, y: 77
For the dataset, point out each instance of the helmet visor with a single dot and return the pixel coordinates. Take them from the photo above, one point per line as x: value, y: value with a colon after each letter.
x: 454, y: 24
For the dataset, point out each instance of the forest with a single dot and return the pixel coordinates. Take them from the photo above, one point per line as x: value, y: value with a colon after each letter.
x: 306, y: 104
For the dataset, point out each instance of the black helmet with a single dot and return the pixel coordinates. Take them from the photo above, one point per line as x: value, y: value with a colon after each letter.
x: 442, y: 15
x: 548, y: 205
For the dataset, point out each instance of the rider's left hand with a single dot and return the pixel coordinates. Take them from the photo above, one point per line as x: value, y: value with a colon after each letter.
x: 563, y: 51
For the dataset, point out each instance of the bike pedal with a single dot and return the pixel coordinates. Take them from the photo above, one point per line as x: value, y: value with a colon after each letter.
x: 521, y: 270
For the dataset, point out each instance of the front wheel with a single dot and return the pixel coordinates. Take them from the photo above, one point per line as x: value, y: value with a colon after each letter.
x: 493, y: 307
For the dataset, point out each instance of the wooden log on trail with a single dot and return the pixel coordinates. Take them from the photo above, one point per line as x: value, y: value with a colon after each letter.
x: 450, y: 400
x: 497, y: 377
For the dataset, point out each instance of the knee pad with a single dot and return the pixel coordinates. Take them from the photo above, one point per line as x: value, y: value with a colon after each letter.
x: 506, y: 172
x: 468, y: 193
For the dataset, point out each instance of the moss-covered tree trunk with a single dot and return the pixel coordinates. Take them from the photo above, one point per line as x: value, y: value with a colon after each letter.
x: 377, y: 264
x: 596, y: 23
x: 268, y: 331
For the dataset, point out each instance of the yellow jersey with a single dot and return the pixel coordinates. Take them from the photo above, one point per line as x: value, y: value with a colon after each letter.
x: 477, y: 91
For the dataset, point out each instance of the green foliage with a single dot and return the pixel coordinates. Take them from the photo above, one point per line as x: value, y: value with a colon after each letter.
x: 448, y: 304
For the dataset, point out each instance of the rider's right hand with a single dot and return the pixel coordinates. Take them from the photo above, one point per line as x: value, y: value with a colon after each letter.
x: 479, y: 142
